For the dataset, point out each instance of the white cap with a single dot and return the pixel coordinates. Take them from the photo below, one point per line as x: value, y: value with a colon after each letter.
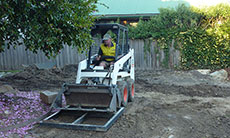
x: 106, y: 37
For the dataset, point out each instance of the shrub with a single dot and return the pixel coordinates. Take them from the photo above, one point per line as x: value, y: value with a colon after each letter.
x: 202, y: 35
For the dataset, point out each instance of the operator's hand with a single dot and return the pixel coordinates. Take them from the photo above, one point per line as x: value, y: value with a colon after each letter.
x: 98, y: 57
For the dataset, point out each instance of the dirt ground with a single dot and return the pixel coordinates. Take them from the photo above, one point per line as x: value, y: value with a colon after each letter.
x: 33, y: 78
x: 168, y: 104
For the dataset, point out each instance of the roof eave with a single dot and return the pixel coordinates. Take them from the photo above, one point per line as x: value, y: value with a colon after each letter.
x: 111, y: 16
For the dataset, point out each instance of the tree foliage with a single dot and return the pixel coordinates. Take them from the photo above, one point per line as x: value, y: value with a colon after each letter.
x: 46, y: 24
x: 202, y: 35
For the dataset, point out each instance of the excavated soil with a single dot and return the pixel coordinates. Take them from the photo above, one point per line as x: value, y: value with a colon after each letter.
x: 168, y: 104
x: 33, y: 78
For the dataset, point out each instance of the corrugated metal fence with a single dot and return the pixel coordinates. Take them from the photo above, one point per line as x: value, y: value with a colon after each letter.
x: 14, y: 59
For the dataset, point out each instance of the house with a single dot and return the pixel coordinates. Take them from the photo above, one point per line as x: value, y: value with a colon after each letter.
x: 130, y: 11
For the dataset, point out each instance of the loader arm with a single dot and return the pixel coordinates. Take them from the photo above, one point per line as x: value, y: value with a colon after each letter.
x: 118, y: 66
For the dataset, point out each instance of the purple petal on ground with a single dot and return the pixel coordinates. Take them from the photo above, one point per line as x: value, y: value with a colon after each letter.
x: 22, y: 106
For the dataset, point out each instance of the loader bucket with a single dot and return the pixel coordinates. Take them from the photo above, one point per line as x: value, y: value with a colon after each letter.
x: 94, y: 96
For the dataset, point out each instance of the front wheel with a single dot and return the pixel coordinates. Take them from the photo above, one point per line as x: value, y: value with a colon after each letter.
x: 131, y: 89
x: 123, y: 87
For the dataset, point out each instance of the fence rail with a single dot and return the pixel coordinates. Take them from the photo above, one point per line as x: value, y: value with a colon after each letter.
x: 14, y: 59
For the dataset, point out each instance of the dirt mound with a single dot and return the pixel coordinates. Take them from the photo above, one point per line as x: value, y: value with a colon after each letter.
x: 202, y: 90
x: 32, y: 78
x: 188, y: 83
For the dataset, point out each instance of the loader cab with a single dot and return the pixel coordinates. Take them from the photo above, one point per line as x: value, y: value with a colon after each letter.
x: 123, y: 67
x: 119, y: 34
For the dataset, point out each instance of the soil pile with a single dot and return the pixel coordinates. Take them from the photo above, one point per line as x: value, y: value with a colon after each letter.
x: 32, y: 78
x: 189, y: 83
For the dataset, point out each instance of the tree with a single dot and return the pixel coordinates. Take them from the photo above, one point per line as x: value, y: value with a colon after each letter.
x: 201, y: 34
x: 46, y: 24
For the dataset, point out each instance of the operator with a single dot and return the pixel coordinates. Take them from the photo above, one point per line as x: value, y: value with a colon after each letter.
x: 107, y: 48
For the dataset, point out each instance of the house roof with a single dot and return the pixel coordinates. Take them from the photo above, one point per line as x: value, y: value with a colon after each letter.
x: 134, y: 7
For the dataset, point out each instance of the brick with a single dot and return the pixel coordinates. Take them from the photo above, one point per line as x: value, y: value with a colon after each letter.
x: 48, y: 97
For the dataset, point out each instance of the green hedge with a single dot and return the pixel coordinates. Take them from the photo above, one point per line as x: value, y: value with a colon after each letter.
x: 202, y: 35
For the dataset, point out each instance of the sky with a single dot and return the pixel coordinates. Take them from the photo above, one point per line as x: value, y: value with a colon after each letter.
x: 200, y: 3
x: 148, y: 6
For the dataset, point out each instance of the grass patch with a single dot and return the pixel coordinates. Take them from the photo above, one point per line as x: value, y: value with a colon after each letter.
x: 10, y: 71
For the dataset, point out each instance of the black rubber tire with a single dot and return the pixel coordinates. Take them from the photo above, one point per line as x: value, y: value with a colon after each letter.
x: 123, y: 87
x: 84, y: 81
x: 131, y: 89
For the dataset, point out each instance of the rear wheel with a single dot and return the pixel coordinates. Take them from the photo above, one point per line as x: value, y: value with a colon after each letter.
x: 123, y: 87
x: 131, y: 89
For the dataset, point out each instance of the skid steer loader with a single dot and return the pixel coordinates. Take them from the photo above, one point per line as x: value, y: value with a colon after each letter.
x: 99, y: 96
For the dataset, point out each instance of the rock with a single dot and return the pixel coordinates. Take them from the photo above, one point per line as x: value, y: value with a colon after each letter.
x: 220, y: 74
x: 48, y: 97
x: 200, y: 74
x: 2, y: 74
x: 6, y: 89
x: 204, y: 71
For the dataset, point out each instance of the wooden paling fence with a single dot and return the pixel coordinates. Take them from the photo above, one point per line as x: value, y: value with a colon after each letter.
x: 14, y: 59
x: 154, y: 58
